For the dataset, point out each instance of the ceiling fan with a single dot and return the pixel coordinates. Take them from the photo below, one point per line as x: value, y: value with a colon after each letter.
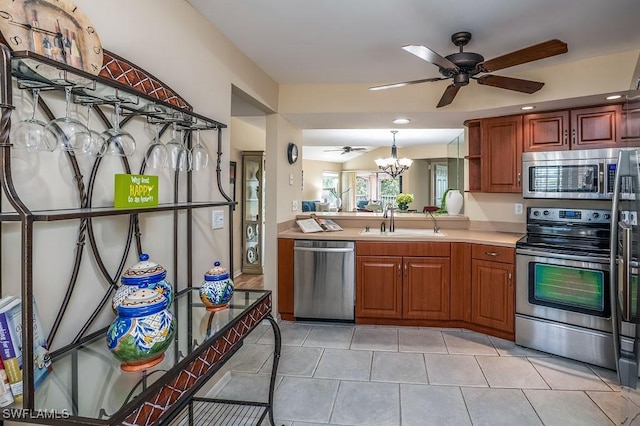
x: 463, y: 66
x: 346, y: 149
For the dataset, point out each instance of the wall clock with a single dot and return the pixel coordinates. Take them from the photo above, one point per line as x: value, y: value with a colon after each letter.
x: 292, y: 153
x: 56, y: 29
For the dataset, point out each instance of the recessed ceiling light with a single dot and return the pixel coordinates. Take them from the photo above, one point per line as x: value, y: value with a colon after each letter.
x: 527, y: 108
x: 612, y: 97
x: 401, y: 121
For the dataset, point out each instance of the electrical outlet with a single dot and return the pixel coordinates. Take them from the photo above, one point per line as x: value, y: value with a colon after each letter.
x: 518, y: 208
x: 291, y: 179
x: 217, y: 219
x: 294, y: 206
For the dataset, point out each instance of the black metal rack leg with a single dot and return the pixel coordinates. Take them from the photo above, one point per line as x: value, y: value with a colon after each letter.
x: 276, y: 360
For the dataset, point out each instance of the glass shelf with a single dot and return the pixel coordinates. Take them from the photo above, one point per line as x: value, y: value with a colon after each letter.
x: 79, y: 213
x: 87, y: 381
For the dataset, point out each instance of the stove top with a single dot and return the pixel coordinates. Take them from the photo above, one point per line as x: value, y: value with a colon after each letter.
x: 568, y: 231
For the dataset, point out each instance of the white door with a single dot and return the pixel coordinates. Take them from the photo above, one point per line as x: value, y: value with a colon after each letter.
x: 440, y: 182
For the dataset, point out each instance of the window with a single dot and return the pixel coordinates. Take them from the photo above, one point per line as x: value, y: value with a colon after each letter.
x: 330, y: 188
x: 388, y: 188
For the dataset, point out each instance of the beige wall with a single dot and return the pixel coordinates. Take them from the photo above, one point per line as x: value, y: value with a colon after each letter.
x: 313, y: 177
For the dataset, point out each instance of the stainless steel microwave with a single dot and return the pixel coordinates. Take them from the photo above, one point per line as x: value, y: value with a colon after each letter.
x: 579, y: 174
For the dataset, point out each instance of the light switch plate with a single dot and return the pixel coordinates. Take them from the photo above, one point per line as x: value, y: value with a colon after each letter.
x: 291, y: 179
x: 518, y: 208
x: 217, y: 219
x: 294, y: 206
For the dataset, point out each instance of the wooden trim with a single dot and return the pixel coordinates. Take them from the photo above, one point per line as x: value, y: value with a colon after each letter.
x: 125, y: 72
x: 399, y: 248
x: 285, y: 277
x: 461, y: 281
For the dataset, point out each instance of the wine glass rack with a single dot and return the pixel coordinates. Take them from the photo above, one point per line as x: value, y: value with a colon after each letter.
x: 140, y: 98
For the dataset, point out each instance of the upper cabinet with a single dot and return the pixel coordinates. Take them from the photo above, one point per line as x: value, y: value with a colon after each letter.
x: 496, y: 144
x: 501, y: 153
x: 546, y: 131
x: 584, y: 128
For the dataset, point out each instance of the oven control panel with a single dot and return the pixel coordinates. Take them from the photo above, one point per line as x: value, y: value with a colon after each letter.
x: 568, y: 215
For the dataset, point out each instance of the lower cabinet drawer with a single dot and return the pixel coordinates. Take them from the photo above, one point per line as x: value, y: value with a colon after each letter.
x: 493, y: 253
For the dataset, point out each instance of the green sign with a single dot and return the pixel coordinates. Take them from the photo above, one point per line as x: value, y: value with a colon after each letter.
x: 135, y: 191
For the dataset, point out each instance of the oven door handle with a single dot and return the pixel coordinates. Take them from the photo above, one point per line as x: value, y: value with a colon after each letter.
x: 603, y: 260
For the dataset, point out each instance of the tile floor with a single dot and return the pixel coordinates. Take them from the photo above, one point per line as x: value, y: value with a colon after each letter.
x: 372, y: 375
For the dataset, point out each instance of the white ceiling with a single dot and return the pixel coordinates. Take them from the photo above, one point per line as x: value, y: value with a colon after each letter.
x: 359, y: 41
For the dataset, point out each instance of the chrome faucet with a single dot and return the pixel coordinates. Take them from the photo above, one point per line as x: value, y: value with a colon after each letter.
x: 389, y: 208
x: 436, y: 228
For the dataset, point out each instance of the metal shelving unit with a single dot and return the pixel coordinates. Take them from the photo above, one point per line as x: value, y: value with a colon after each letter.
x: 28, y: 71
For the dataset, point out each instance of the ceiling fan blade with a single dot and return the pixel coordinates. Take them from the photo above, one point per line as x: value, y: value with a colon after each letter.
x: 510, y: 83
x: 405, y: 83
x: 429, y: 55
x: 447, y: 97
x: 528, y: 54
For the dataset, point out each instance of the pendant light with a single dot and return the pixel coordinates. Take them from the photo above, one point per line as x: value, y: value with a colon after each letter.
x: 392, y: 166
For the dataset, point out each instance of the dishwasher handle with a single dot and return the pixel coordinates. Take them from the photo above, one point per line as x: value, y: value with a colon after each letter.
x: 324, y: 249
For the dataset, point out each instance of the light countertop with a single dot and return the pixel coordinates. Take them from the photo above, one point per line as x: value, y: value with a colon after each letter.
x: 450, y: 235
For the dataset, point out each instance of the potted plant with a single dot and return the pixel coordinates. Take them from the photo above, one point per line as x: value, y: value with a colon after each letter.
x: 403, y: 200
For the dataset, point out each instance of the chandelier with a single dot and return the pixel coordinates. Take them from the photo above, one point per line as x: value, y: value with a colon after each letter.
x: 392, y: 166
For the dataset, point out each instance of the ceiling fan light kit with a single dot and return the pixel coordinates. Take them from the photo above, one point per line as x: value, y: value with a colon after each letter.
x: 393, y: 166
x: 463, y: 66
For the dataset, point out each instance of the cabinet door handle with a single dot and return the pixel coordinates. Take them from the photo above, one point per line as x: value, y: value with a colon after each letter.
x: 399, y: 270
x: 566, y: 136
x: 492, y: 253
x: 405, y: 269
x: 573, y: 136
x: 519, y: 178
x: 509, y: 277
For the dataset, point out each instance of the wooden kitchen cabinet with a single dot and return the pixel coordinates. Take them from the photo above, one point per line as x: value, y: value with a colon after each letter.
x: 493, y: 288
x: 547, y: 131
x: 426, y: 288
x: 285, y: 278
x: 403, y: 281
x: 581, y: 128
x: 630, y: 125
x: 597, y: 127
x: 501, y: 154
x: 379, y: 286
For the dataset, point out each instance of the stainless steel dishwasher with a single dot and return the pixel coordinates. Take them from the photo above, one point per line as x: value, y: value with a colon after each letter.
x: 324, y: 280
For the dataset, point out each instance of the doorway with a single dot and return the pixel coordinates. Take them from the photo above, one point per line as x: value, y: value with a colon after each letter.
x: 440, y: 182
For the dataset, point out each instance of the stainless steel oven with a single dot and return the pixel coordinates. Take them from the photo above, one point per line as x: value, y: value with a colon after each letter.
x: 563, y: 303
x: 577, y: 174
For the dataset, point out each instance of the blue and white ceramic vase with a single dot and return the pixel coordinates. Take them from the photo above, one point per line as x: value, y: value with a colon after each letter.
x: 144, y: 274
x: 142, y: 331
x: 217, y: 288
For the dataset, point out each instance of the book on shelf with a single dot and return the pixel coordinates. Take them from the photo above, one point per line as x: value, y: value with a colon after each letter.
x: 316, y: 224
x: 11, y: 345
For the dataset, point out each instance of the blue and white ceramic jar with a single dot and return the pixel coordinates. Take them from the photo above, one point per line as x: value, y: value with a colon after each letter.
x: 144, y: 274
x: 217, y: 288
x: 142, y: 331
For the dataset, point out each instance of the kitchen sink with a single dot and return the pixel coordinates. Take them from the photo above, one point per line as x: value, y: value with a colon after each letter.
x: 405, y: 232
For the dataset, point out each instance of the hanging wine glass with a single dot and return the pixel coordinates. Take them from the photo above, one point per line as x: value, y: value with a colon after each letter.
x: 65, y: 130
x: 156, y: 155
x: 199, y: 154
x: 119, y: 142
x: 177, y: 153
x: 93, y: 143
x: 30, y: 134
